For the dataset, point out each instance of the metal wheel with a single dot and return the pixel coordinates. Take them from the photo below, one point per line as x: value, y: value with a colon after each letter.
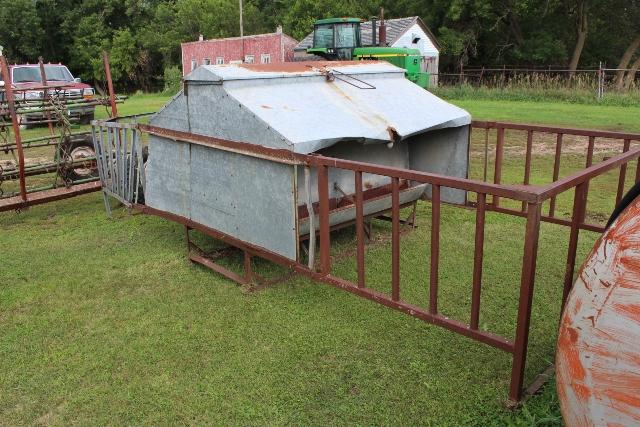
x: 76, y: 150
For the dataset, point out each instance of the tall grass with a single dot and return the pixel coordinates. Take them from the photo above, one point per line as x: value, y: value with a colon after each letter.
x: 535, y: 86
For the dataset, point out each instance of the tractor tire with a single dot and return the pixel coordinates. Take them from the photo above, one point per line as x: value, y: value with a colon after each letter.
x: 76, y: 148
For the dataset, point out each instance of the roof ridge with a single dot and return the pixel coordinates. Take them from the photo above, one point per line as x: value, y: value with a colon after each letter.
x: 237, y: 38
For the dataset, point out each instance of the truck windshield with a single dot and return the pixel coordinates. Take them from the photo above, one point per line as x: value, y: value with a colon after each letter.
x: 32, y: 74
x: 323, y: 36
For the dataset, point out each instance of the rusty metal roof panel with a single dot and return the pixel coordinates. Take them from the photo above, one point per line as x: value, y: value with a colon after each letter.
x: 367, y: 101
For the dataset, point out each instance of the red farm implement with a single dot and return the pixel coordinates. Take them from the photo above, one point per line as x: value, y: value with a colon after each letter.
x: 56, y: 161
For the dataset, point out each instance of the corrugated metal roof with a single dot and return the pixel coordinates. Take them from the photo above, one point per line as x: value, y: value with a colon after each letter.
x: 311, y: 113
x: 395, y: 28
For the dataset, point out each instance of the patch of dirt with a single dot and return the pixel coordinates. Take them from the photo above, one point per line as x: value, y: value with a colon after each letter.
x: 545, y: 145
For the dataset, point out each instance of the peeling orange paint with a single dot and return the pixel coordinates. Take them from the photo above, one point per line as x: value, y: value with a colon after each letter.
x: 598, y: 358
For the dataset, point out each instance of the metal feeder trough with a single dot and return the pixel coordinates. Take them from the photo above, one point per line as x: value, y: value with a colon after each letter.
x: 362, y: 111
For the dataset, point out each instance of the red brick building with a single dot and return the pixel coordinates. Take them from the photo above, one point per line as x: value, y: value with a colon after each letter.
x: 258, y: 49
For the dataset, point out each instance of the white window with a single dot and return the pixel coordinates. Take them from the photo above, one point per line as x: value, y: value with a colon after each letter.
x: 248, y: 59
x: 194, y: 64
x: 219, y: 60
x: 207, y: 61
x: 265, y: 58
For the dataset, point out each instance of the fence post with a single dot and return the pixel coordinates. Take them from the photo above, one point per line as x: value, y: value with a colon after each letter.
x: 527, y: 280
x: 579, y: 202
x: 4, y: 68
x: 323, y: 195
x: 600, y: 82
x: 112, y: 94
x: 497, y: 176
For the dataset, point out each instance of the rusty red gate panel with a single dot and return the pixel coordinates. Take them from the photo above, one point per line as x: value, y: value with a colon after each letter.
x: 598, y: 358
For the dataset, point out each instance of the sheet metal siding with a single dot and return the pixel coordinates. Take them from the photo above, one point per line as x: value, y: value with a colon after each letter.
x: 444, y: 152
x: 397, y: 156
x: 373, y: 206
x: 245, y: 197
x: 231, y: 49
x: 213, y: 111
x: 168, y: 173
x: 173, y: 115
x: 248, y: 198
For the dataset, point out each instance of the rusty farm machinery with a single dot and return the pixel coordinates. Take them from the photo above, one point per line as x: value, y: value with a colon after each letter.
x: 57, y: 159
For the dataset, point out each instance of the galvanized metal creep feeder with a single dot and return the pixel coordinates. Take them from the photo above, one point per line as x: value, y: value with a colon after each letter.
x: 372, y: 114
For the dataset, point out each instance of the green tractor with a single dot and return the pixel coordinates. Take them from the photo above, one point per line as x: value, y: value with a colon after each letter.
x: 338, y: 39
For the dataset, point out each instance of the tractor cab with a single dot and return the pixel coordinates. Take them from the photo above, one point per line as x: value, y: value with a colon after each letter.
x: 336, y: 38
x: 339, y: 39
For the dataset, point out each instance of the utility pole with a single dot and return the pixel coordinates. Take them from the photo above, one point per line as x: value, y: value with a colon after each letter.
x: 241, y: 30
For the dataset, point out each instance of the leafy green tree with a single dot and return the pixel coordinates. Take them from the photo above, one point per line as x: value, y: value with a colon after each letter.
x: 21, y: 33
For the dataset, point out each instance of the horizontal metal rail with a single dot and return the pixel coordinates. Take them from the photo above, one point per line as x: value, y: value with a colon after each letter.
x: 530, y: 199
x: 554, y: 129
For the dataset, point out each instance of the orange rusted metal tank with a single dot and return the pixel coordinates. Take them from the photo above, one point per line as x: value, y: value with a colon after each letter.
x: 598, y: 358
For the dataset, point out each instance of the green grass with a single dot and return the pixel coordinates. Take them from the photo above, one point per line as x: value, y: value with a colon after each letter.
x: 542, y: 92
x: 554, y: 113
x: 106, y: 322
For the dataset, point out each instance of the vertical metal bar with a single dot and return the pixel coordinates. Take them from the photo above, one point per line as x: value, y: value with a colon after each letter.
x: 638, y: 170
x: 590, y: 149
x: 186, y: 233
x: 323, y: 196
x: 140, y: 170
x: 124, y: 136
x: 131, y: 177
x: 435, y: 248
x: 497, y: 177
x: 579, y: 202
x: 395, y: 239
x: 112, y: 95
x: 248, y: 271
x: 111, y: 146
x: 45, y: 95
x: 527, y: 281
x: 116, y: 138
x: 99, y: 163
x: 477, y: 261
x: 527, y: 163
x: 486, y: 153
x: 360, y: 228
x: 556, y: 172
x: 592, y: 143
x: 312, y: 218
x: 4, y: 68
x: 99, y: 145
x: 623, y: 173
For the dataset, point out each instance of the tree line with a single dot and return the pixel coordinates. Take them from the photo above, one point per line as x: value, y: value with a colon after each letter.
x: 143, y: 36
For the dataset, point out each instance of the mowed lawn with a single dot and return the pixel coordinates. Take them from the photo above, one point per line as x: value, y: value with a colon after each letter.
x: 105, y: 321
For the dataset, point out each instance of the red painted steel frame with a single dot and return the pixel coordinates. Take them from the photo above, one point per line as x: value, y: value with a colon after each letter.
x: 530, y: 197
x: 16, y: 127
x: 26, y: 198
